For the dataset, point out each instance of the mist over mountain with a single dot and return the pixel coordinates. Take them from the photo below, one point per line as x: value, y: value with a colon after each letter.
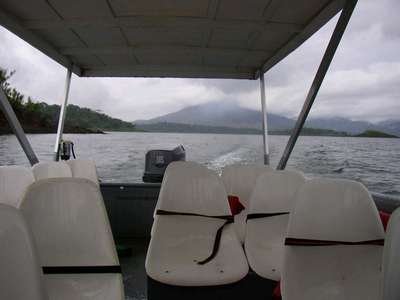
x: 222, y: 114
x: 227, y: 114
x: 353, y: 127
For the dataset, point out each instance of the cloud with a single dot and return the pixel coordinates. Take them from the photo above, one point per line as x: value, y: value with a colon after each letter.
x: 362, y: 83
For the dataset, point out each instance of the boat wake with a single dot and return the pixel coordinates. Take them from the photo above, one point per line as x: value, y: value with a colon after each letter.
x: 232, y: 157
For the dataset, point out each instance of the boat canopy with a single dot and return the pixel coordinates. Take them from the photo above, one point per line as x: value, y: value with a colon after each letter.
x: 159, y: 38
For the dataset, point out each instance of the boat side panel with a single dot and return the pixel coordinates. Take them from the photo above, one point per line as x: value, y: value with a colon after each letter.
x: 130, y: 208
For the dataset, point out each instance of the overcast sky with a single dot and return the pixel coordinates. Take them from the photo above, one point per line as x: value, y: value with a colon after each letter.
x: 363, y: 82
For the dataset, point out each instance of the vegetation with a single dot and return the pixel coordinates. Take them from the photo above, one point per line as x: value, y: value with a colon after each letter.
x: 375, y: 133
x: 189, y: 128
x: 39, y: 117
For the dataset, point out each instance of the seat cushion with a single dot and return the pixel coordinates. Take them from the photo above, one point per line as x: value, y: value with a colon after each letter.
x: 84, y: 286
x: 81, y: 168
x: 264, y: 245
x: 52, y: 169
x: 240, y: 180
x: 179, y: 242
x: 391, y: 259
x: 14, y: 181
x: 20, y: 273
x: 275, y: 192
x: 333, y: 210
x: 332, y: 272
x: 71, y: 228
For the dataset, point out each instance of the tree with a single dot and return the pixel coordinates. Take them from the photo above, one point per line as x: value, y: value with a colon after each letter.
x: 28, y: 111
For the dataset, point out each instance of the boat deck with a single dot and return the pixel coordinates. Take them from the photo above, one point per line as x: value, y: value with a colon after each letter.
x: 133, y: 271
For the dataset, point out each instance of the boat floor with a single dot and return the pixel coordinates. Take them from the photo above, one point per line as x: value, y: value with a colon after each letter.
x: 135, y: 279
x: 133, y: 270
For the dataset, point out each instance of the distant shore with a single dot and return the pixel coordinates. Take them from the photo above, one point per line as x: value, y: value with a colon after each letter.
x: 201, y: 129
x: 164, y: 127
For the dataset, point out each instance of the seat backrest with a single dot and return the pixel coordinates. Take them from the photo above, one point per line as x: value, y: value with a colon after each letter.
x: 333, y: 210
x: 71, y: 228
x: 13, y: 183
x: 240, y: 180
x: 192, y: 188
x: 198, y: 250
x: 391, y: 258
x: 52, y: 169
x: 274, y: 193
x: 81, y: 168
x: 20, y: 274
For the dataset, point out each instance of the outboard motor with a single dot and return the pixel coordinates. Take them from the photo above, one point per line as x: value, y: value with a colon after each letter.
x: 65, y: 150
x: 158, y: 160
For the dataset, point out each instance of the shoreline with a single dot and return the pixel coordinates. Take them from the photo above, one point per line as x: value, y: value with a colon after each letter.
x: 184, y: 132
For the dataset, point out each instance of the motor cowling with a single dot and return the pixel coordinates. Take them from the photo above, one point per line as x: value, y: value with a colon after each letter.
x: 157, y: 162
x: 66, y: 150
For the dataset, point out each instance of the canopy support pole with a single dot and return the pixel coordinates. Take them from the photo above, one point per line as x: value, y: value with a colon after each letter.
x: 16, y: 127
x: 264, y: 119
x: 318, y: 79
x: 63, y: 109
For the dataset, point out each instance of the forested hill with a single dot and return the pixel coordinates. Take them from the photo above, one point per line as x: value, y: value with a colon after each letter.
x: 40, y: 117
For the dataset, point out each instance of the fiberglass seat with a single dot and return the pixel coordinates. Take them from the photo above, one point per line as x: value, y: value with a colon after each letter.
x: 240, y: 180
x: 82, y: 168
x: 334, y: 243
x: 268, y: 215
x: 21, y: 277
x: 74, y: 239
x: 180, y: 243
x: 391, y: 258
x: 14, y: 181
x: 51, y: 169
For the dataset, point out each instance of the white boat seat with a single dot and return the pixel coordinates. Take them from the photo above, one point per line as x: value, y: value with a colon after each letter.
x: 13, y: 183
x: 20, y: 275
x: 74, y: 239
x: 334, y: 243
x: 180, y: 242
x: 240, y: 180
x: 268, y: 216
x: 82, y: 168
x: 52, y: 169
x: 391, y: 258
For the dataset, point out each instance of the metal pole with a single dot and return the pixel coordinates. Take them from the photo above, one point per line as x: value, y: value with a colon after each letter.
x: 264, y: 119
x: 63, y: 109
x: 17, y: 128
x: 318, y: 79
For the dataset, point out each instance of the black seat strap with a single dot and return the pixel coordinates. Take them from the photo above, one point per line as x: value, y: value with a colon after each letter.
x: 310, y: 242
x: 264, y: 215
x: 82, y: 270
x: 228, y: 220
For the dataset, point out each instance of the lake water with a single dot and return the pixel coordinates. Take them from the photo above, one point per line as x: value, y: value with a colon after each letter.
x: 120, y: 156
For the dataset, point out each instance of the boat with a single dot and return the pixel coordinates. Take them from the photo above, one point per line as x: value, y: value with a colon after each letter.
x: 174, y: 238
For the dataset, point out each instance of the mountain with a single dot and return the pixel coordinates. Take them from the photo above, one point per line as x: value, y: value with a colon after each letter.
x: 354, y: 127
x: 222, y: 114
x: 340, y: 124
x: 231, y: 115
x: 391, y: 126
x: 192, y: 128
